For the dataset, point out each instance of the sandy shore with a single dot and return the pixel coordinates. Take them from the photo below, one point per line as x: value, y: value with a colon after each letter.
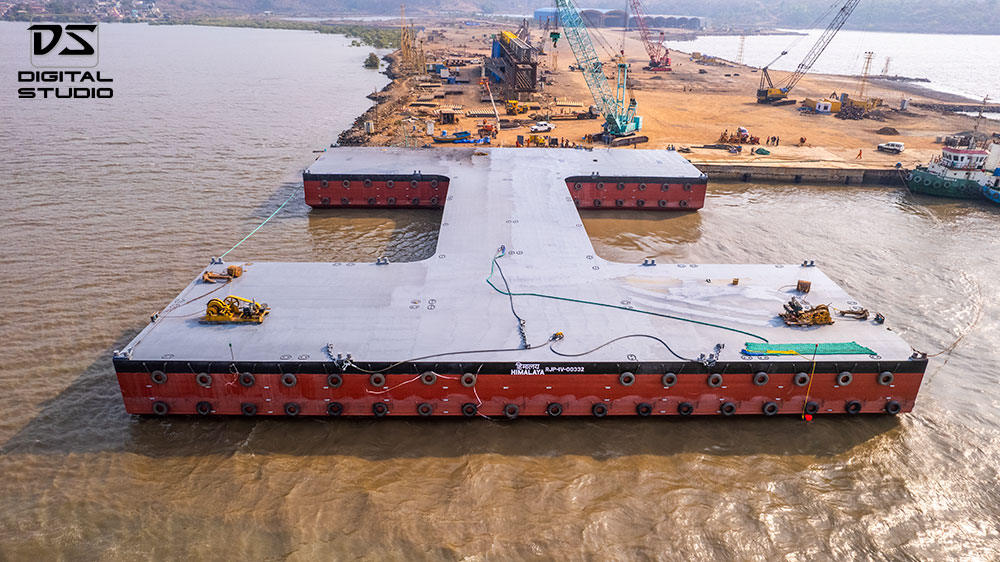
x: 686, y: 108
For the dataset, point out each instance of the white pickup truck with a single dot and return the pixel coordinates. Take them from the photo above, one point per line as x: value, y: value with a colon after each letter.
x: 893, y: 147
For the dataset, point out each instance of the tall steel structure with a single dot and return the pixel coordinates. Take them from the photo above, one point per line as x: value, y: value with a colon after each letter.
x: 659, y: 55
x: 619, y: 116
x: 862, y: 88
x: 768, y: 92
x: 411, y: 53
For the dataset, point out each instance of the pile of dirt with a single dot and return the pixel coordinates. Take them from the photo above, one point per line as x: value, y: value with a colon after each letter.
x: 887, y: 131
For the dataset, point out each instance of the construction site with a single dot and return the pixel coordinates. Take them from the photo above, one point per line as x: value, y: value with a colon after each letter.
x: 577, y: 85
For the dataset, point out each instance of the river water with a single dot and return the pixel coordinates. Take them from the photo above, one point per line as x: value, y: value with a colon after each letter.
x: 110, y: 207
x: 965, y: 65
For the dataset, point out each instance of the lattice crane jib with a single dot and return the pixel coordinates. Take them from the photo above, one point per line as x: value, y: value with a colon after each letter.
x: 620, y: 118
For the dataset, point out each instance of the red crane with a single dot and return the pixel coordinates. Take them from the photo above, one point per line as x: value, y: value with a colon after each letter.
x: 659, y: 55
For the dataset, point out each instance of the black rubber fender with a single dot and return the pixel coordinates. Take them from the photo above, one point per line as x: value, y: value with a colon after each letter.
x: 668, y: 379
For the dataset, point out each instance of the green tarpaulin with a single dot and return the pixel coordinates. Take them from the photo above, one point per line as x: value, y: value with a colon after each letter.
x: 809, y: 349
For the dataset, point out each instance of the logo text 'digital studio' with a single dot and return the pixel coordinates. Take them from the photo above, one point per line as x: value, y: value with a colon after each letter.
x: 70, y: 46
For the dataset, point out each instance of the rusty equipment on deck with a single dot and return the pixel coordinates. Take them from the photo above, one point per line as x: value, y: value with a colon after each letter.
x: 796, y: 314
x: 232, y: 272
x: 859, y: 313
x: 233, y: 309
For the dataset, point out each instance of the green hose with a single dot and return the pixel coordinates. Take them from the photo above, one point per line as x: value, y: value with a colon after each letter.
x: 489, y: 280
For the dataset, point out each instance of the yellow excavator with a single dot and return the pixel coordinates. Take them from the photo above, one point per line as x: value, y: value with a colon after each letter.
x: 233, y: 309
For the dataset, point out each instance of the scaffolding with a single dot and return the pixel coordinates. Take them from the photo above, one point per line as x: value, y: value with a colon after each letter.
x: 411, y: 50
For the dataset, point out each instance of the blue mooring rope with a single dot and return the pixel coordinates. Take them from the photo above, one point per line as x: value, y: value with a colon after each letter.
x: 260, y: 225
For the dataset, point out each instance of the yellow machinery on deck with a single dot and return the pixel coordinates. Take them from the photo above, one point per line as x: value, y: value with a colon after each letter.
x: 796, y: 314
x: 233, y: 309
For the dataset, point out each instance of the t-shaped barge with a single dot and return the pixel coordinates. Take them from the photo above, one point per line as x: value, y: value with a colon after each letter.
x: 514, y: 314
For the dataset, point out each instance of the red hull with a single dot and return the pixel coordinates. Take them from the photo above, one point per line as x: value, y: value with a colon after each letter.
x: 376, y: 191
x: 651, y: 194
x: 431, y: 192
x: 576, y: 395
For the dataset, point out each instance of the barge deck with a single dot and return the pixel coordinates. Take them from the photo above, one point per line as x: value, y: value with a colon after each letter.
x: 577, y: 335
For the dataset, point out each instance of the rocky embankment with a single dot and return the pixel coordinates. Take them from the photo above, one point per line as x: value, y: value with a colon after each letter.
x: 389, y: 102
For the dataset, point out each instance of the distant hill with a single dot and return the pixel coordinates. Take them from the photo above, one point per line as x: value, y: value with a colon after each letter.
x: 928, y: 16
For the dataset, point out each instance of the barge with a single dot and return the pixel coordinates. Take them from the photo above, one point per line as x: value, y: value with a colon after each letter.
x: 514, y: 314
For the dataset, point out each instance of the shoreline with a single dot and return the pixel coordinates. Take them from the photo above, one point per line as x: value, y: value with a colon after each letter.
x: 686, y: 108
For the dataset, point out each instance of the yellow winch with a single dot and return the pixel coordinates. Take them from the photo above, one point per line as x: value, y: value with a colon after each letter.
x: 796, y: 314
x: 235, y: 309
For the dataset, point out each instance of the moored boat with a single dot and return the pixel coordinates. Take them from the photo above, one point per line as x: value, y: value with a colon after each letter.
x: 993, y: 192
x: 960, y: 172
x: 454, y: 137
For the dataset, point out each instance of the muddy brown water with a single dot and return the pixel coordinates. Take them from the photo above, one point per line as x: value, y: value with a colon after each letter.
x: 109, y: 209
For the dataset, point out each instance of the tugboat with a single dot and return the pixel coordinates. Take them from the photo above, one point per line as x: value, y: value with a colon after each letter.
x: 992, y: 191
x: 962, y: 172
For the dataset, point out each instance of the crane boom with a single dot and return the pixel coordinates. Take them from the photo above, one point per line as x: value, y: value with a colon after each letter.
x: 619, y: 117
x: 658, y: 54
x: 768, y: 93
